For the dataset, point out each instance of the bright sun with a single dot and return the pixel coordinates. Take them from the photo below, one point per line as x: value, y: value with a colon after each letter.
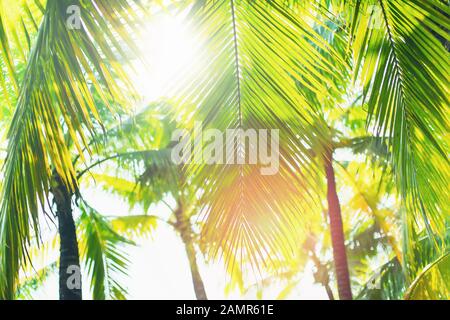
x: 168, y: 47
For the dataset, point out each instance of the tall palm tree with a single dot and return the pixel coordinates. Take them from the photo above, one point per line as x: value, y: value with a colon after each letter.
x: 82, y: 62
x: 264, y: 65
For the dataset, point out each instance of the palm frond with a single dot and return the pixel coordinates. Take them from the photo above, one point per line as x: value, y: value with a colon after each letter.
x: 18, y: 28
x: 105, y: 258
x: 252, y: 74
x: 82, y: 62
x: 404, y: 71
x: 433, y: 282
x: 27, y: 287
x: 135, y: 226
x: 390, y: 282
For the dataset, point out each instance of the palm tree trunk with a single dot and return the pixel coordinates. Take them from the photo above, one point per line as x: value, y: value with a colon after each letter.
x: 337, y: 232
x: 183, y: 225
x: 199, y: 288
x: 69, y: 261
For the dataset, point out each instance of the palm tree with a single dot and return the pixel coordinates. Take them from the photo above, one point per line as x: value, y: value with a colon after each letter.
x: 99, y: 240
x: 138, y: 142
x: 102, y: 244
x: 141, y: 147
x: 259, y: 54
x: 264, y: 65
x: 46, y: 117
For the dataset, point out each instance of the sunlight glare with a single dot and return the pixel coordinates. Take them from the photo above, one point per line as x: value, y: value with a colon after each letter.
x: 169, y: 48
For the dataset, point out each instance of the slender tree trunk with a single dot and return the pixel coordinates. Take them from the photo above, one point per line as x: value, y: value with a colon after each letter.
x: 337, y: 232
x: 199, y: 288
x: 69, y: 261
x: 183, y: 225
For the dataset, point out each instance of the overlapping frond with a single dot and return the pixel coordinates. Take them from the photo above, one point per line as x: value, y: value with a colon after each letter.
x: 102, y: 246
x: 18, y: 27
x: 369, y: 194
x: 135, y: 158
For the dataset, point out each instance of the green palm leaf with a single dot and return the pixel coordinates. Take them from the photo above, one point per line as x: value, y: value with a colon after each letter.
x: 256, y: 57
x: 55, y: 105
x: 433, y: 282
x: 104, y: 256
x: 135, y: 226
x: 17, y: 27
x: 391, y: 282
x: 404, y: 70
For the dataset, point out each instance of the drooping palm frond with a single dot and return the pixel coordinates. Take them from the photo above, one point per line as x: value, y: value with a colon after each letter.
x: 404, y: 71
x: 103, y: 253
x: 255, y: 57
x: 102, y: 239
x: 388, y: 283
x: 18, y: 27
x: 65, y: 68
x: 135, y: 190
x: 150, y: 128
